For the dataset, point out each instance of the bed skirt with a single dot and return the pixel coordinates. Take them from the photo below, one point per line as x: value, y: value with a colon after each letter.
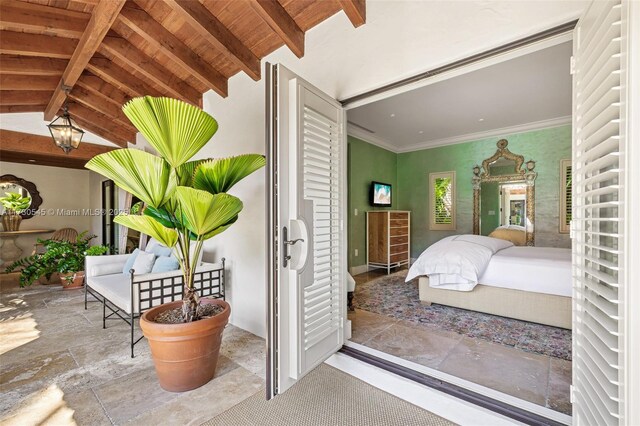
x: 541, y: 308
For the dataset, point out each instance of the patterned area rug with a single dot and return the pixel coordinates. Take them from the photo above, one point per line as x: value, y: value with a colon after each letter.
x: 391, y: 296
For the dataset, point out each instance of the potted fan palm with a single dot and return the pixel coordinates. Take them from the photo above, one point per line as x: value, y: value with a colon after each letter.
x: 186, y: 203
x: 14, y: 204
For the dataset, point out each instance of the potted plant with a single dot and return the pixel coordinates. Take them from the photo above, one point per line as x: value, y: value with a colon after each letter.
x: 59, y: 257
x: 186, y: 203
x: 13, y: 204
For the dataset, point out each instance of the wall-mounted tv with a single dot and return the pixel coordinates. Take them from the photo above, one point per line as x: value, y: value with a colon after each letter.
x: 380, y: 194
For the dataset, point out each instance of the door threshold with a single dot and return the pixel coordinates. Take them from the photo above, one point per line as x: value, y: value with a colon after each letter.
x: 481, y: 396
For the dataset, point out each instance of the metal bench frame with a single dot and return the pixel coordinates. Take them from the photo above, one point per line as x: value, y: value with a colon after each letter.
x: 209, y: 284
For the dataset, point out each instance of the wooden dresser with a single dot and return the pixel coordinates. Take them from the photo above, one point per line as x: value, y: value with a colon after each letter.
x: 388, y: 238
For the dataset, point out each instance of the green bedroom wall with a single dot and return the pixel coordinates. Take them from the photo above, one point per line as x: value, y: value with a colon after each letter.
x: 490, y: 199
x: 366, y: 163
x: 547, y: 147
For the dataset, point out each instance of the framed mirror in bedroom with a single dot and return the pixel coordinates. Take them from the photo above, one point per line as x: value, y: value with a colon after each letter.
x: 504, y: 196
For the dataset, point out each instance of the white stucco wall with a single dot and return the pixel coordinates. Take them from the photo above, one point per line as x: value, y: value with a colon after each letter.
x: 61, y: 190
x: 400, y: 39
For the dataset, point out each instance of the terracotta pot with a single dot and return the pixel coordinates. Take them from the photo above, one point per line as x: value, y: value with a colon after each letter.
x: 185, y: 355
x: 72, y: 280
x: 11, y: 221
x: 55, y: 279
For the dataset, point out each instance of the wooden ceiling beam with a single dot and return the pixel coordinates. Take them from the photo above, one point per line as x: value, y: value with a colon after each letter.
x: 95, y: 119
x: 97, y: 103
x: 213, y: 31
x: 37, y: 17
x: 28, y: 82
x: 138, y: 60
x: 121, y: 78
x: 155, y: 34
x: 8, y: 109
x: 355, y: 11
x: 103, y: 16
x: 20, y: 97
x: 101, y: 88
x: 272, y: 12
x: 98, y: 131
x: 28, y: 144
x: 24, y: 44
x: 24, y: 65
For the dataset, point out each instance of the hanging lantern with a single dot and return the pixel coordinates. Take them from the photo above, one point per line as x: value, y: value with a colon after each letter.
x: 64, y: 131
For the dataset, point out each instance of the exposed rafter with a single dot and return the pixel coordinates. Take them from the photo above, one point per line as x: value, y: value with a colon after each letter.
x: 20, y: 97
x: 355, y: 10
x: 24, y: 65
x: 24, y: 44
x: 282, y: 23
x: 35, y: 17
x: 120, y: 77
x: 212, y: 30
x: 136, y: 59
x: 7, y: 109
x: 155, y: 34
x: 95, y: 102
x: 103, y: 16
x: 24, y: 148
x: 28, y: 82
x: 106, y: 91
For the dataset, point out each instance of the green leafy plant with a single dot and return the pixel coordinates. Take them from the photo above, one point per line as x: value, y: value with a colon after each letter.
x: 186, y: 201
x: 14, y: 202
x: 58, y: 256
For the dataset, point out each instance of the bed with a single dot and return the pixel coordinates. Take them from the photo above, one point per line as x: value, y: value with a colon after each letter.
x: 494, y: 276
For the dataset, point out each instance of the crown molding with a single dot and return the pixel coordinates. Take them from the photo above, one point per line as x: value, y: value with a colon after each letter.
x: 505, y: 131
x: 370, y: 138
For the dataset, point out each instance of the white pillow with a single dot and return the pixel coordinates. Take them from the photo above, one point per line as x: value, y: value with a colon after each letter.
x: 493, y: 244
x: 144, y: 263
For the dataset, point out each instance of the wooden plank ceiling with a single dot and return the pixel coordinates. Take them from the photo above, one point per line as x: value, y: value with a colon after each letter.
x: 108, y: 51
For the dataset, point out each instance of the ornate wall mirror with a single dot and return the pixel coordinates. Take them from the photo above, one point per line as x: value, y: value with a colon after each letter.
x: 11, y: 183
x: 504, y: 194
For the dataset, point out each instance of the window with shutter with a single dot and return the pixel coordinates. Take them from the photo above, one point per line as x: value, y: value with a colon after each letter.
x: 442, y: 188
x: 566, y: 193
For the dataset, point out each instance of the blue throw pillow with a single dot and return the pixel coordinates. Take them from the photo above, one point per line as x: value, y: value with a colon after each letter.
x: 130, y: 261
x: 160, y: 250
x: 165, y: 264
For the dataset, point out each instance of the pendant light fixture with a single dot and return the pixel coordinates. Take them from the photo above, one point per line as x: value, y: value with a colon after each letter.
x: 65, y: 132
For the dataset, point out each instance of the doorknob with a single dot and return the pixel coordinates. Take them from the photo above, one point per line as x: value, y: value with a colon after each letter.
x: 286, y: 257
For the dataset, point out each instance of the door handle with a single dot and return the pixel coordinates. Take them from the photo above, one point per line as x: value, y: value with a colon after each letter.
x: 286, y: 257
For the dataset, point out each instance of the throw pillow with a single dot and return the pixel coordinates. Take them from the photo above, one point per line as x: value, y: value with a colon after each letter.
x: 129, y: 263
x: 165, y: 264
x: 159, y: 250
x: 144, y: 263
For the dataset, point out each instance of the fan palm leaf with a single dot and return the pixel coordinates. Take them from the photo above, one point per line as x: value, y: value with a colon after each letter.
x: 142, y: 174
x: 176, y: 129
x: 204, y: 212
x: 149, y: 226
x: 219, y: 175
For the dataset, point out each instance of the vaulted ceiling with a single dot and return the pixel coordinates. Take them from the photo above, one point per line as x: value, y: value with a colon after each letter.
x: 109, y: 51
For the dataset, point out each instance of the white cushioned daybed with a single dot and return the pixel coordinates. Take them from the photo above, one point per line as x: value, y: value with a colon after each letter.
x: 126, y: 295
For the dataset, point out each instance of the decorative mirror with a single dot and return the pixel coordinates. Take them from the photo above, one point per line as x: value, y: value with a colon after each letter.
x: 504, y: 194
x: 11, y: 183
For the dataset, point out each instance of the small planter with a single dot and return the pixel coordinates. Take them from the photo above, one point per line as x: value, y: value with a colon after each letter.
x: 185, y: 355
x: 54, y: 280
x: 72, y: 280
x: 11, y: 221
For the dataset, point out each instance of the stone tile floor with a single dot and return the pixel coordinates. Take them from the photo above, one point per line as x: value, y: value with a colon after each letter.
x: 58, y: 366
x: 540, y: 379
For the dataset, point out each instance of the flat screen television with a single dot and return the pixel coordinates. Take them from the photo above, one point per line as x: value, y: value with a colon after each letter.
x: 380, y: 194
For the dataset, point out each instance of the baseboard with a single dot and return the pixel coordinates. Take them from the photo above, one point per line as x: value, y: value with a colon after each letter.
x: 357, y: 270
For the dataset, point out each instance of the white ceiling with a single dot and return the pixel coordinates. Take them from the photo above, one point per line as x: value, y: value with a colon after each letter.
x: 530, y: 91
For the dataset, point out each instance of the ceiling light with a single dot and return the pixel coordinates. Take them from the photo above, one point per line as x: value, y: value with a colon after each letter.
x: 421, y: 131
x: 481, y: 120
x: 393, y: 115
x: 32, y: 161
x: 65, y: 132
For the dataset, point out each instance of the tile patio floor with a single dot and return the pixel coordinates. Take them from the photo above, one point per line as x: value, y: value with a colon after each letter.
x: 58, y: 366
x: 540, y: 379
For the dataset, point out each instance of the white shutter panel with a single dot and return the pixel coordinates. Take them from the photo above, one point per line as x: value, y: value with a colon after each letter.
x: 598, y: 216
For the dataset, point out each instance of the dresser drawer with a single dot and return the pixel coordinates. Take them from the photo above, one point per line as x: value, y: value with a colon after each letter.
x: 396, y: 232
x: 398, y: 222
x: 401, y: 248
x: 399, y: 239
x: 402, y: 216
x: 400, y: 257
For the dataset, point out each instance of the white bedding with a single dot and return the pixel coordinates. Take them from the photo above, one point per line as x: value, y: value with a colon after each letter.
x: 461, y: 262
x: 536, y: 269
x: 457, y: 262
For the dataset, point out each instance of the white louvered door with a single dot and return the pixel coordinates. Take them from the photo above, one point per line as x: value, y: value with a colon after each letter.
x: 310, y: 256
x: 598, y: 215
